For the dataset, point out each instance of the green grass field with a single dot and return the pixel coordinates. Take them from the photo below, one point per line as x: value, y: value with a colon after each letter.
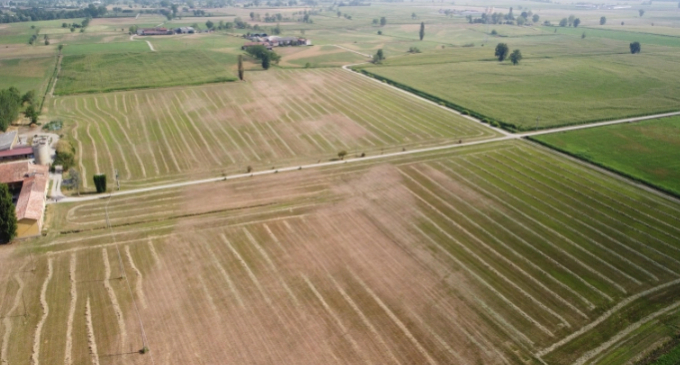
x: 27, y: 74
x: 544, y: 90
x: 646, y: 151
x: 104, y: 72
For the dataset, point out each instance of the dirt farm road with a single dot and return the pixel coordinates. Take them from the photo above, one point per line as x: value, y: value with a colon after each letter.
x: 506, y: 136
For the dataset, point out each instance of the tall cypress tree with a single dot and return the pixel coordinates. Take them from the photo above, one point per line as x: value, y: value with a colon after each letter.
x: 422, y: 30
x: 240, y: 67
x: 8, y: 217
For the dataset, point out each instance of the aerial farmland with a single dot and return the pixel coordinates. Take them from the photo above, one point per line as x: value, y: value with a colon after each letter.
x: 339, y: 183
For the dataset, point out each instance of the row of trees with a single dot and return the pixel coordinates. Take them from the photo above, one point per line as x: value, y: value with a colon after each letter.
x: 8, y: 217
x: 501, y: 53
x: 35, y: 14
x: 263, y: 54
x: 11, y: 102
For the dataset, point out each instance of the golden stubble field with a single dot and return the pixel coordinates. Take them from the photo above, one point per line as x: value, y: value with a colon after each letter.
x: 447, y: 257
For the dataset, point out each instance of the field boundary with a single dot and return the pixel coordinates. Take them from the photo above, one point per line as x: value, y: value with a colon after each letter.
x: 610, y: 169
x: 510, y: 127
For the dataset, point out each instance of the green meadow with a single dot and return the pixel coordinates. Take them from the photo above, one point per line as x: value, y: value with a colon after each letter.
x: 646, y: 151
x: 101, y: 72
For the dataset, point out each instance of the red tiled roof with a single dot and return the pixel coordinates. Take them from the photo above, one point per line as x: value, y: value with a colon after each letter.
x: 31, y: 203
x: 17, y: 152
x: 18, y: 171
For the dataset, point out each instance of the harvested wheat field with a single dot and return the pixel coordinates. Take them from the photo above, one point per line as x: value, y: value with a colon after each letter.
x: 504, y: 253
x: 276, y: 118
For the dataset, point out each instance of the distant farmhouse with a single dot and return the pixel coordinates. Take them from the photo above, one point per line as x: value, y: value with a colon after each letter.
x: 275, y: 41
x: 154, y: 31
x: 28, y: 184
x: 165, y: 31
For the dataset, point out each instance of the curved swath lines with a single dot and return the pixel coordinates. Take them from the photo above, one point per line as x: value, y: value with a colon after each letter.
x: 198, y: 131
x: 165, y: 110
x: 296, y: 110
x: 68, y: 360
x: 253, y: 125
x: 427, y: 115
x: 7, y: 320
x: 366, y: 112
x: 235, y: 129
x: 327, y: 112
x: 114, y: 301
x: 419, y: 107
x: 574, y: 218
x: 585, y: 187
x: 220, y: 123
x: 111, y: 135
x: 122, y: 129
x: 526, y: 274
x: 421, y: 126
x: 35, y: 357
x: 80, y: 154
x: 101, y: 136
x: 328, y: 100
x: 182, y: 125
x: 138, y: 107
x: 165, y: 139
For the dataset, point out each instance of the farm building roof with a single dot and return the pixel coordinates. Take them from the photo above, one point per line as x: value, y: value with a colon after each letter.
x: 7, y: 140
x: 16, y: 152
x: 31, y: 203
x: 18, y: 171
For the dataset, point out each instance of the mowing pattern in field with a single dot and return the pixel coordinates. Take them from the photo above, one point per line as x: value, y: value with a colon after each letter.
x: 277, y: 117
x: 124, y: 71
x: 494, y: 254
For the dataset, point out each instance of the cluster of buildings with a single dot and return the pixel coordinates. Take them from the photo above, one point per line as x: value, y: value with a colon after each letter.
x: 25, y: 169
x: 275, y: 41
x: 165, y: 31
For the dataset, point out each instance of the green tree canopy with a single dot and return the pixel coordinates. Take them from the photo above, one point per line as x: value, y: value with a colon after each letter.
x: 10, y: 103
x: 577, y: 21
x: 422, y: 30
x: 502, y: 51
x: 8, y: 216
x: 603, y: 20
x: 383, y: 21
x: 635, y: 47
x: 515, y: 56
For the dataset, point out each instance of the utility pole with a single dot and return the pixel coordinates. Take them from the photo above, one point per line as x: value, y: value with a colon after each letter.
x: 117, y: 181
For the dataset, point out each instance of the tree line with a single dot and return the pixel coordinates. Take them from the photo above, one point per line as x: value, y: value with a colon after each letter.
x: 35, y: 14
x: 11, y: 102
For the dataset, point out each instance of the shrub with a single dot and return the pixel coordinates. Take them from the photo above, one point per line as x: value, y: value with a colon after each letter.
x: 100, y: 182
x: 65, y: 154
